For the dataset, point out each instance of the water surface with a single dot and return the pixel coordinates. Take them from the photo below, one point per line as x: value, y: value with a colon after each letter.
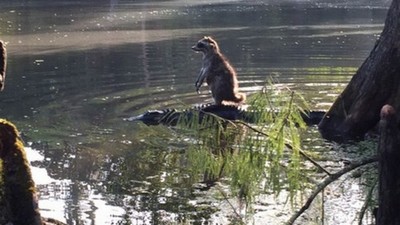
x: 76, y: 69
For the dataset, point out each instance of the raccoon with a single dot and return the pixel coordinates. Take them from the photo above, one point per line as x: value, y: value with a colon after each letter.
x: 218, y: 73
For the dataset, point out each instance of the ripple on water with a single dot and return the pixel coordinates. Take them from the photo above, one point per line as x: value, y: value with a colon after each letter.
x: 80, y: 68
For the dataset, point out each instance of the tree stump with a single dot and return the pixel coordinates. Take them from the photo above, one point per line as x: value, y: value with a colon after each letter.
x: 376, y: 83
x: 389, y: 168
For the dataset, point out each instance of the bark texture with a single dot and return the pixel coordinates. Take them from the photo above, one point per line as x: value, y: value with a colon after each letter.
x: 3, y: 64
x: 389, y: 168
x: 376, y: 83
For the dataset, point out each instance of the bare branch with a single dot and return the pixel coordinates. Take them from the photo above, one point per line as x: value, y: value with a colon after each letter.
x: 367, y: 202
x: 229, y: 202
x: 327, y: 181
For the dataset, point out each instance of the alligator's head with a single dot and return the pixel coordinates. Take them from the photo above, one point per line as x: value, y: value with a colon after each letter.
x: 154, y: 117
x: 151, y: 117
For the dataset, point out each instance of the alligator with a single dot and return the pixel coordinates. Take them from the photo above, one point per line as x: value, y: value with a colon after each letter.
x: 170, y: 117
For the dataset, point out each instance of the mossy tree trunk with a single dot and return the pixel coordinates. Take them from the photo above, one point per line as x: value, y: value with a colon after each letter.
x: 376, y: 83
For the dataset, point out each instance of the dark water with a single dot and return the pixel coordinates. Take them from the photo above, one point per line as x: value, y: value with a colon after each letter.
x: 76, y: 69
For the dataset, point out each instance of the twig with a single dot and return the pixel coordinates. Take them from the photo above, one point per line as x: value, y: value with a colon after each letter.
x: 367, y: 200
x: 229, y: 202
x: 327, y: 181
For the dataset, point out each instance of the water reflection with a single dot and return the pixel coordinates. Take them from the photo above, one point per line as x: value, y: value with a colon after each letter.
x: 148, y: 186
x: 75, y: 69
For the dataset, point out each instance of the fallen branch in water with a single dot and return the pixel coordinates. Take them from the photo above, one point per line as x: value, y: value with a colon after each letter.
x: 328, y: 180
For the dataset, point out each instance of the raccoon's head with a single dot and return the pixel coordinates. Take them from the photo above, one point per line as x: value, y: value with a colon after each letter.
x: 206, y: 45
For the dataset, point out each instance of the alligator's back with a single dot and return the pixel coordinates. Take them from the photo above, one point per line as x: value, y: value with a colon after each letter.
x: 230, y: 112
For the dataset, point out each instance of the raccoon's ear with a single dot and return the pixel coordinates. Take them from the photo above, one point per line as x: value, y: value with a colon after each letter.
x: 213, y: 43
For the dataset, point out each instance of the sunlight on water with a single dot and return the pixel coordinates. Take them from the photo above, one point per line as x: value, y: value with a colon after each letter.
x: 54, y: 195
x: 75, y: 70
x: 52, y: 202
x: 40, y: 174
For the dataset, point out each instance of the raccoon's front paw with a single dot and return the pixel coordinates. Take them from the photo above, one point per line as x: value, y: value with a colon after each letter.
x: 197, y: 85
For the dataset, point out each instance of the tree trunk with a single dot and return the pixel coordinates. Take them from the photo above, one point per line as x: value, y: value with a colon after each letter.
x: 376, y: 83
x: 3, y: 62
x: 389, y: 169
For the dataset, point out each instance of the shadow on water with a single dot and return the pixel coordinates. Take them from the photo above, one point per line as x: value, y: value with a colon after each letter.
x: 76, y: 69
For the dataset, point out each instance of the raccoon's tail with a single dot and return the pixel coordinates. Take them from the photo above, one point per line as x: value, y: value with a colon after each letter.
x: 237, y: 99
x: 240, y: 97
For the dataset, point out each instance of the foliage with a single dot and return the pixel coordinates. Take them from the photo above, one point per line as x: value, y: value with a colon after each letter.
x: 264, y: 154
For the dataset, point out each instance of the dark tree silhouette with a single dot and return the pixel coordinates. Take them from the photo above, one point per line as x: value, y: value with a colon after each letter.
x: 3, y: 62
x: 389, y: 168
x: 376, y: 83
